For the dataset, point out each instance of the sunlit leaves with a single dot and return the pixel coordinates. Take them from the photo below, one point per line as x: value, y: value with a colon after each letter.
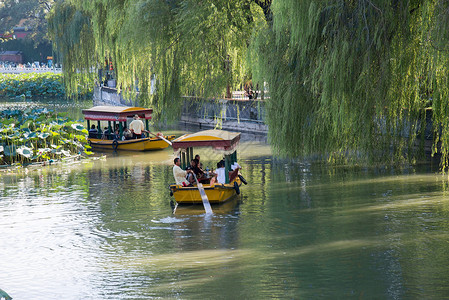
x: 35, y: 136
x: 353, y: 78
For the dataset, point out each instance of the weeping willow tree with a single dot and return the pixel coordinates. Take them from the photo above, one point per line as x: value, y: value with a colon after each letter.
x: 345, y: 78
x: 189, y: 47
x: 354, y: 75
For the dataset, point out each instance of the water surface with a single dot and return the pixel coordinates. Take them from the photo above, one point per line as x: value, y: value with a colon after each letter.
x: 105, y: 229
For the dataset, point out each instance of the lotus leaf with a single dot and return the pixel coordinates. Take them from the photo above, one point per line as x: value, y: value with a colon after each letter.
x: 78, y: 127
x: 10, y: 150
x: 25, y: 151
x: 81, y: 138
x: 56, y: 151
x: 43, y: 135
x: 55, y: 126
x: 65, y: 152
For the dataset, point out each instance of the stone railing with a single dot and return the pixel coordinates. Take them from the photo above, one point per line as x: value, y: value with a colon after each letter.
x: 229, y: 114
x: 18, y: 70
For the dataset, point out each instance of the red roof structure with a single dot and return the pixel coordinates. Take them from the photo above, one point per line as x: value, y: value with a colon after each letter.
x: 217, y: 139
x: 116, y: 113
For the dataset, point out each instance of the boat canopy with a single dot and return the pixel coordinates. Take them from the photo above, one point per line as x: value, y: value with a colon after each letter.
x: 116, y: 113
x: 217, y: 139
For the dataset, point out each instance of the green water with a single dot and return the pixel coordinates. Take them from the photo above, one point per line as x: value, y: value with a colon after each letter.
x: 105, y: 229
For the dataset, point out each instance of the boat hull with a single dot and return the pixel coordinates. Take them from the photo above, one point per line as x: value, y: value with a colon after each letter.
x: 216, y: 194
x: 145, y: 144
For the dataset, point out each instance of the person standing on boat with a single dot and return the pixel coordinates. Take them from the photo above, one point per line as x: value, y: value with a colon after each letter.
x: 137, y: 127
x: 180, y: 174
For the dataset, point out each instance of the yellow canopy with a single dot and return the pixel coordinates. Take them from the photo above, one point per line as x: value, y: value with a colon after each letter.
x: 217, y: 139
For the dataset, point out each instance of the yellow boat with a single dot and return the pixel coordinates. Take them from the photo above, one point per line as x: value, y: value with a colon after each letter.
x: 220, y: 209
x: 118, y: 117
x: 219, y: 140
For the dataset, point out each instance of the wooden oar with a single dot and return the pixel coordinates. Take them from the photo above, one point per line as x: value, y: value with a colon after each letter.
x: 203, y: 196
x: 162, y: 138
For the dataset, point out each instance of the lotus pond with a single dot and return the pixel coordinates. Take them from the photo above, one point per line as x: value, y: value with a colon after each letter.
x: 32, y: 133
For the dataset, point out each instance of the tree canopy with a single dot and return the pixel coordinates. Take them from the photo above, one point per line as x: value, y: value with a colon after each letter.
x: 26, y: 13
x: 189, y: 47
x: 344, y: 77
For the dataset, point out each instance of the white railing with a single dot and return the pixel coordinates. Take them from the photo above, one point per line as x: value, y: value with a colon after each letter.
x: 17, y: 70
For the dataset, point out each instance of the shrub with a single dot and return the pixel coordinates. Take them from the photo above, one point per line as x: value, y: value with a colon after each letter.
x: 35, y: 84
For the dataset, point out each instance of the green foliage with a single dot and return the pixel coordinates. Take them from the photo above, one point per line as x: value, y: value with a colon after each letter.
x: 38, y: 135
x: 345, y: 76
x: 30, y: 14
x: 36, y: 84
x: 189, y: 47
x: 30, y: 51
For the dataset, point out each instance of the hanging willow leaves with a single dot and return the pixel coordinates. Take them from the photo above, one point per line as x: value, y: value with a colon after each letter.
x: 354, y: 75
x: 344, y: 78
x: 187, y: 47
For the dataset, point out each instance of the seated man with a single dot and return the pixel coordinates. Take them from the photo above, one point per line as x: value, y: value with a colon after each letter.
x: 127, y: 134
x: 179, y: 174
x: 93, y: 132
x: 106, y: 134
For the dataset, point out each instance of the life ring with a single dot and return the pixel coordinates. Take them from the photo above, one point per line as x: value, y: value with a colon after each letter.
x: 243, y: 179
x: 114, y: 145
x: 236, y: 187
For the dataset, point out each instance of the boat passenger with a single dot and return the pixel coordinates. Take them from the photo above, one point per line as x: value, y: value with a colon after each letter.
x: 116, y: 134
x: 136, y: 127
x: 200, y: 165
x: 93, y: 132
x: 127, y: 134
x: 198, y: 171
x: 235, y: 165
x: 220, y: 171
x: 105, y: 135
x: 193, y: 168
x: 180, y: 174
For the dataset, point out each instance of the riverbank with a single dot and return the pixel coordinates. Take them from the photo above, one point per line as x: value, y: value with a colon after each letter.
x: 242, y: 115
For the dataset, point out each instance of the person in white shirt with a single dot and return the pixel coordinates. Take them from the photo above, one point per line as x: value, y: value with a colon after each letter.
x: 137, y: 127
x: 180, y: 174
x: 220, y: 171
x: 235, y: 165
